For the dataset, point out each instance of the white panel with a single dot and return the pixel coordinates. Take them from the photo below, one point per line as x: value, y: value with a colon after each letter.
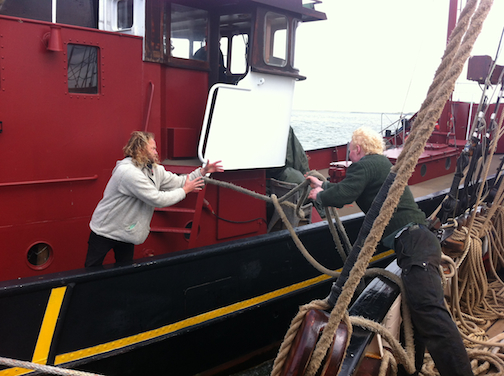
x: 250, y: 122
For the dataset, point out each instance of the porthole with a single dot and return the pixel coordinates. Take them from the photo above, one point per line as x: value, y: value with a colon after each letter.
x: 39, y: 256
x: 423, y: 170
x: 447, y: 163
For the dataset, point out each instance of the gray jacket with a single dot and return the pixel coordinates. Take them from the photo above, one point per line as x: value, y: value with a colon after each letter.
x: 125, y: 211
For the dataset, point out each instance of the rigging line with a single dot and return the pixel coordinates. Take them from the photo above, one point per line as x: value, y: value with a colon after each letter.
x: 409, y: 87
x: 499, y: 45
x: 411, y: 77
x: 485, y: 100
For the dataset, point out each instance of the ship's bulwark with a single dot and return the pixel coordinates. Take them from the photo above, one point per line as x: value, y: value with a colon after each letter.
x: 186, y: 313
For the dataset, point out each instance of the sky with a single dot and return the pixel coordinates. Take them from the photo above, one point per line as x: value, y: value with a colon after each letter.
x: 381, y: 55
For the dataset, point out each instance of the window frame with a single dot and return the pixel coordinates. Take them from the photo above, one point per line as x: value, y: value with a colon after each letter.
x: 98, y: 70
x: 258, y: 61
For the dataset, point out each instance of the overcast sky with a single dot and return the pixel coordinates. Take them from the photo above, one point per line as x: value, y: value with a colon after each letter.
x: 381, y: 56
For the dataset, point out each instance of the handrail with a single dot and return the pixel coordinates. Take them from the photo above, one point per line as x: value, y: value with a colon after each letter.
x: 48, y: 181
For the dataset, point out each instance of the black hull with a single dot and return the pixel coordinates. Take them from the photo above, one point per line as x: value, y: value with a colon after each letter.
x: 186, y: 313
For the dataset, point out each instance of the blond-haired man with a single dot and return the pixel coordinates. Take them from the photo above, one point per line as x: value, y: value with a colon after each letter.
x: 417, y: 250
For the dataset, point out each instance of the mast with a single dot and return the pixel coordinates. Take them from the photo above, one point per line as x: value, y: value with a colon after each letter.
x: 452, y: 18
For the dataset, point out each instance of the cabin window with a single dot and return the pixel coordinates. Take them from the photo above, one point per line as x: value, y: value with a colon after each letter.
x: 239, y: 50
x: 189, y: 31
x: 77, y: 12
x: 124, y: 14
x: 33, y: 9
x: 234, y: 31
x: 295, y: 24
x: 71, y: 12
x: 275, y: 33
x: 82, y: 69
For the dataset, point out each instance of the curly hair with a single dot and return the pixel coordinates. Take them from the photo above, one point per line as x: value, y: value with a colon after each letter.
x: 369, y: 140
x: 136, y: 148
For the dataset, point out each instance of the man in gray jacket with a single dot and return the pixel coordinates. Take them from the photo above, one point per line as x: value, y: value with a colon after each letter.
x: 137, y: 186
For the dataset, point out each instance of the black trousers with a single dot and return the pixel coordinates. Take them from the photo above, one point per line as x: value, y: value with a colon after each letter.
x: 419, y: 255
x: 99, y: 246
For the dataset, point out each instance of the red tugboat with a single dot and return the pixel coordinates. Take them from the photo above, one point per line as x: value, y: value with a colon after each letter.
x: 210, y: 288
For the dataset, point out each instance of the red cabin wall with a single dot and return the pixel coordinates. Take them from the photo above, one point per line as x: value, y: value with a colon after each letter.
x: 184, y: 99
x: 51, y: 135
x: 58, y: 149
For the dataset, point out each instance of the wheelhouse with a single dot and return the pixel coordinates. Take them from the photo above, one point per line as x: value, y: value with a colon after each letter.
x: 211, y: 79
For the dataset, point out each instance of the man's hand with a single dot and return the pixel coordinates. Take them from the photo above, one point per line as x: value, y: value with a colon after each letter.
x: 316, y: 186
x: 193, y: 185
x: 314, y: 192
x: 314, y: 182
x: 212, y: 167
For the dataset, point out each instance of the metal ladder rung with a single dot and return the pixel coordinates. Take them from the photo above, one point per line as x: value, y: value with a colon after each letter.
x: 177, y: 230
x: 175, y: 210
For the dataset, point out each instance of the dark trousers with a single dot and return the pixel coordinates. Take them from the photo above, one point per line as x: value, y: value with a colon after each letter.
x: 98, y: 247
x: 419, y: 255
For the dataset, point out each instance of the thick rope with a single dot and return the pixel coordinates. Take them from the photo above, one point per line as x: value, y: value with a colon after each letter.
x: 43, y: 368
x: 338, y: 228
x: 299, y: 244
x: 291, y: 333
x: 277, y: 201
x: 259, y: 196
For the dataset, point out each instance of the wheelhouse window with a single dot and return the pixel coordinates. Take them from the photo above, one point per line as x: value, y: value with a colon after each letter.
x: 234, y: 32
x: 239, y: 48
x: 189, y: 32
x: 295, y: 24
x: 33, y: 9
x: 82, y: 70
x: 124, y: 14
x: 275, y: 38
x: 79, y: 13
x: 275, y: 44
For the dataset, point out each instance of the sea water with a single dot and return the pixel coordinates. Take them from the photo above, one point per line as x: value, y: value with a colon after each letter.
x: 319, y: 129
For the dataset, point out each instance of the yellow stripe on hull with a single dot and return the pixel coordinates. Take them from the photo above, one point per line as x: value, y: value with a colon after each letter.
x: 195, y: 320
x: 46, y: 332
x: 56, y: 299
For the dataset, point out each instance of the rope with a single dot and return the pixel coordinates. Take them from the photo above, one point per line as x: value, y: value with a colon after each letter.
x: 493, y: 147
x: 277, y: 201
x: 259, y: 196
x: 46, y: 369
x: 291, y: 333
x: 338, y: 227
x: 299, y: 244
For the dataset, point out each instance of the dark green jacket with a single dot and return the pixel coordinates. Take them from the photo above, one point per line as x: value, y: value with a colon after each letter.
x: 362, y: 182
